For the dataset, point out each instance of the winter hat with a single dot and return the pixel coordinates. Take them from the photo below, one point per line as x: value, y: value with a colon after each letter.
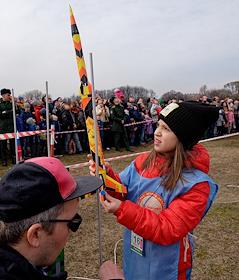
x: 5, y: 91
x: 30, y: 121
x: 118, y: 93
x: 189, y: 120
x: 27, y: 106
x: 112, y: 98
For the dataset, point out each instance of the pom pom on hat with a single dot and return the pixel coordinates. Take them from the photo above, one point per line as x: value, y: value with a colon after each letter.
x: 189, y: 120
x: 118, y: 93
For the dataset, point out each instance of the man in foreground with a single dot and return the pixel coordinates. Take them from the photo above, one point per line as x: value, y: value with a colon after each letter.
x: 38, y: 208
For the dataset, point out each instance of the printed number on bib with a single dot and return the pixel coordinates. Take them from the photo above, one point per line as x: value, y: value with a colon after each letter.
x: 137, y: 243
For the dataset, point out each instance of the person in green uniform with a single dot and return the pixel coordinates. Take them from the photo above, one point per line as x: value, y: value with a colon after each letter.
x: 6, y: 125
x: 117, y: 115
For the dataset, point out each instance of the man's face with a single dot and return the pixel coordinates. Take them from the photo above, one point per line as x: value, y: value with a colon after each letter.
x: 6, y: 97
x: 53, y: 243
x: 116, y: 101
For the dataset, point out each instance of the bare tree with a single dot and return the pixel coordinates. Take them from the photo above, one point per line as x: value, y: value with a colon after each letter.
x: 172, y: 94
x: 128, y: 91
x: 233, y: 87
x: 203, y: 90
x: 34, y: 94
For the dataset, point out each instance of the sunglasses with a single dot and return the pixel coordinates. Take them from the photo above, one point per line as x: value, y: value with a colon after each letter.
x: 72, y: 224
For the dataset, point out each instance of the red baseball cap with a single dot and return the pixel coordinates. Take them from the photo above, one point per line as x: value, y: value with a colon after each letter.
x: 38, y: 184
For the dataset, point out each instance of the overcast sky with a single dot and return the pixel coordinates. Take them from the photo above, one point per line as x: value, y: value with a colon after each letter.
x: 157, y: 44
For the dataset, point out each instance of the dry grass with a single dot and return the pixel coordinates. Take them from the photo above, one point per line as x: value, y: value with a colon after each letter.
x: 216, y: 253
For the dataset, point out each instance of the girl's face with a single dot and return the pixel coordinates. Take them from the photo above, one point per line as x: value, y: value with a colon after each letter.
x: 100, y: 101
x: 164, y: 139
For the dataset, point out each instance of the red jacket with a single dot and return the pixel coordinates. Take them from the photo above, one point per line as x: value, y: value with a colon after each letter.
x: 174, y: 222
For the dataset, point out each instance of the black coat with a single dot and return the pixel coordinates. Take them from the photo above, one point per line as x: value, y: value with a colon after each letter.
x: 117, y: 115
x: 6, y: 117
x: 14, y: 266
x: 68, y: 120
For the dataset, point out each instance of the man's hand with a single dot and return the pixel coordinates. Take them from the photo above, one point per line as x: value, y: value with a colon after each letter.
x: 110, y: 204
x: 92, y: 167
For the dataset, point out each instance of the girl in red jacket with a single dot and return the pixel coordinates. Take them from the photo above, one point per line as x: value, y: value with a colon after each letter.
x: 169, y: 192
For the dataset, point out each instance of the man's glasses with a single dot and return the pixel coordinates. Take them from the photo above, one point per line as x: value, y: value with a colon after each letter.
x: 72, y: 224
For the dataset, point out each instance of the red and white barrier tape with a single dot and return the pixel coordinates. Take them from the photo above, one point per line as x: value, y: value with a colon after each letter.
x: 135, y: 123
x: 11, y: 135
x: 83, y: 130
x: 83, y: 164
x: 219, y: 137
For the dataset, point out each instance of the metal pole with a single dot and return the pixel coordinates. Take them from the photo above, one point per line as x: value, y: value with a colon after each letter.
x: 47, y: 123
x: 14, y: 125
x: 52, y: 139
x: 96, y: 155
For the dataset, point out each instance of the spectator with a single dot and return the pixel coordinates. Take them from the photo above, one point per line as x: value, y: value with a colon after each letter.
x: 34, y: 140
x: 118, y: 129
x: 119, y: 94
x: 154, y: 112
x: 43, y: 136
x: 6, y: 125
x: 69, y: 124
x: 102, y: 115
x: 220, y: 123
x: 37, y: 105
x: 148, y: 128
x: 231, y: 120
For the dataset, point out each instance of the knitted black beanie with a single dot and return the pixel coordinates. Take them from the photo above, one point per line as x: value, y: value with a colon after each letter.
x: 189, y: 120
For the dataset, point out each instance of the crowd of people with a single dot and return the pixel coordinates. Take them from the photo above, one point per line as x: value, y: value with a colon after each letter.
x: 168, y: 189
x: 123, y: 123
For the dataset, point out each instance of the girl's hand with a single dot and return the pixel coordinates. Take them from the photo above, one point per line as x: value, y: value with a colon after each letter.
x: 110, y: 204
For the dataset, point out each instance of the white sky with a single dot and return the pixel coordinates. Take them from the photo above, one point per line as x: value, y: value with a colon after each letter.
x: 158, y: 44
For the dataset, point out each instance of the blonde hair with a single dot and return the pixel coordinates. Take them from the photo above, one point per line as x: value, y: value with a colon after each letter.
x: 175, y: 162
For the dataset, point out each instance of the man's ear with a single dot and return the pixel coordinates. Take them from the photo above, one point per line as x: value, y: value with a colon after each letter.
x: 34, y: 235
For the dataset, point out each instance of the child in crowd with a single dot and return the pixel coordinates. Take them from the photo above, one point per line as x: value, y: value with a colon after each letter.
x: 231, y: 120
x: 34, y: 140
x: 169, y: 193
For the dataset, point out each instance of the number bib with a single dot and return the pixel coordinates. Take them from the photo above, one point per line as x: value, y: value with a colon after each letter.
x: 137, y: 243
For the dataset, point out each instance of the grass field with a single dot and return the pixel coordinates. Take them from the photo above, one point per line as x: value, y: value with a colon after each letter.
x: 217, y: 237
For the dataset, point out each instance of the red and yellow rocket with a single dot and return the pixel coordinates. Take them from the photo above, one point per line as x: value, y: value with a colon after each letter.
x: 86, y: 99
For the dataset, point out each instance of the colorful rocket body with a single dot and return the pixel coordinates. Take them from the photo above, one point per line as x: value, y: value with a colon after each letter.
x: 86, y: 101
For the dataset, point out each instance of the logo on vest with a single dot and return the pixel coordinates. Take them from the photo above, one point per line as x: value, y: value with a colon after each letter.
x: 152, y: 201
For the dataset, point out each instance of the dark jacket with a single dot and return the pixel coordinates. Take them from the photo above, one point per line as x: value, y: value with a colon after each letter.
x: 117, y: 116
x: 14, y: 266
x: 6, y: 117
x: 68, y: 120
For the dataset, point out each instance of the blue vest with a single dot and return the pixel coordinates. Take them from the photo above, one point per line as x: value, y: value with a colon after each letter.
x: 158, y: 262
